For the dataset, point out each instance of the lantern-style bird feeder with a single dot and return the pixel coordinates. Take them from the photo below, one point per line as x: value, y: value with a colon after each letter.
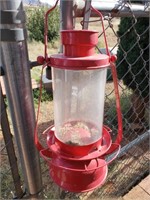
x: 78, y: 142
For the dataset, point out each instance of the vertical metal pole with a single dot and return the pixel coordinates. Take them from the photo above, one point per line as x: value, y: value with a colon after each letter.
x: 67, y: 15
x: 87, y: 13
x: 17, y: 79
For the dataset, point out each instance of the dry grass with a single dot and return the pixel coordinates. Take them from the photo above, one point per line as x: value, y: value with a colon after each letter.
x: 36, y: 49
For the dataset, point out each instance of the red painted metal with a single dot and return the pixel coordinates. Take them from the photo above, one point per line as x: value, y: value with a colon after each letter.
x: 80, y: 168
x: 80, y: 63
x: 46, y: 30
x: 40, y: 60
x: 78, y: 173
x: 79, y: 43
x: 79, y: 51
x: 103, y: 28
x: 78, y: 176
x: 118, y: 108
x: 85, y: 152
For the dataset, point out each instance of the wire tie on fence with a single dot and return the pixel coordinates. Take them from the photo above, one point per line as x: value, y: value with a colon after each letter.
x: 87, y: 21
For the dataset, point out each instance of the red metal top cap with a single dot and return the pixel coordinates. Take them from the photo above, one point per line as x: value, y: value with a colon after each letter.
x: 79, y: 43
x: 79, y: 51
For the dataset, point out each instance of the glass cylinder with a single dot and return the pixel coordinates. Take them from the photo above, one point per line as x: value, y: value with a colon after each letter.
x: 78, y: 105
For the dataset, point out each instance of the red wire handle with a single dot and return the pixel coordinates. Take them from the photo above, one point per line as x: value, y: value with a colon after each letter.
x: 118, y: 108
x: 116, y: 90
x: 36, y: 141
x: 46, y: 157
x: 101, y: 17
x: 46, y: 29
x: 119, y: 114
x: 39, y: 146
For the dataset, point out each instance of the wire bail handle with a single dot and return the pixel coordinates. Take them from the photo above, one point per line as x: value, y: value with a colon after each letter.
x: 114, y: 75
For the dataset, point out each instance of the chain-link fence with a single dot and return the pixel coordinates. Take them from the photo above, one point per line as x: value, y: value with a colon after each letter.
x: 132, y: 163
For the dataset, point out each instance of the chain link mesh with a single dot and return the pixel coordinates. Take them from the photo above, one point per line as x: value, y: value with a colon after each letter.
x: 133, y: 163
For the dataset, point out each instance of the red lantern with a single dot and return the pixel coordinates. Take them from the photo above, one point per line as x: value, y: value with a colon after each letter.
x: 78, y: 142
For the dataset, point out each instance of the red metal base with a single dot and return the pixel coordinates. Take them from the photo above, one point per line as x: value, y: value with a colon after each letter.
x: 86, y: 152
x: 80, y: 168
x: 76, y: 179
x: 77, y: 173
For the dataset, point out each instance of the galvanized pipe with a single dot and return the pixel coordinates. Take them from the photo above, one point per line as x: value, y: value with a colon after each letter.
x: 67, y: 14
x: 17, y: 81
x: 67, y: 18
x: 118, y: 8
x: 87, y: 14
x: 135, y: 142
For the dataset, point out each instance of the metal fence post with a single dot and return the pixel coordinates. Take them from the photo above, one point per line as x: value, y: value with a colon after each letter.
x: 67, y: 15
x: 115, y: 8
x: 17, y: 80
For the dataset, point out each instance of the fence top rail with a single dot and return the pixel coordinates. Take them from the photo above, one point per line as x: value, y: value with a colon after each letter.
x: 117, y: 8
